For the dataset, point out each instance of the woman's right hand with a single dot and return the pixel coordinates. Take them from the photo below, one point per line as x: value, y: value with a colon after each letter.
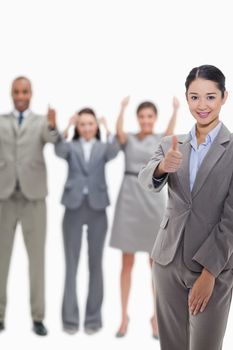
x: 125, y: 102
x: 121, y: 135
x: 73, y: 120
x: 201, y: 292
x: 175, y: 103
x: 172, y: 160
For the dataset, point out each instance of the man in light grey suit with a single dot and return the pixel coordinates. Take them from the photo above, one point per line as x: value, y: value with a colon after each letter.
x: 23, y: 188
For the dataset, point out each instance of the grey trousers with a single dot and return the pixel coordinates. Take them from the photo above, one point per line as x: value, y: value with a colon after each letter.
x: 178, y: 330
x: 96, y: 221
x: 32, y: 216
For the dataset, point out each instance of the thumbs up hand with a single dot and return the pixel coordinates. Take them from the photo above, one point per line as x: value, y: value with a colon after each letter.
x: 172, y: 161
x: 51, y: 117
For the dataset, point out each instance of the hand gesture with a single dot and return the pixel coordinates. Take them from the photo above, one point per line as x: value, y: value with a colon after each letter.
x: 125, y: 102
x: 103, y: 121
x: 175, y: 103
x: 201, y: 292
x: 51, y: 117
x: 73, y: 120
x: 173, y: 159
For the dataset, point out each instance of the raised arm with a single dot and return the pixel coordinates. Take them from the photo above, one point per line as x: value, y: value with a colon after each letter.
x: 172, y: 122
x: 49, y: 130
x: 72, y: 121
x: 154, y: 175
x: 113, y: 146
x: 62, y: 148
x: 121, y: 135
x: 103, y: 121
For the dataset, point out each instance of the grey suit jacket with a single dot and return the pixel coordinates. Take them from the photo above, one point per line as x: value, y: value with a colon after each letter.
x: 203, y: 217
x: 82, y: 174
x: 21, y: 155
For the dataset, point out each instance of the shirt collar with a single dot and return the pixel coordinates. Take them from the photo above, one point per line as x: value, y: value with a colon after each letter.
x: 209, y: 138
x: 25, y: 113
x: 90, y: 142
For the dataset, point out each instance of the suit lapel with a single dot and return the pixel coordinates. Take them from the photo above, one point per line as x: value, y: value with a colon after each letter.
x: 14, y: 123
x: 26, y: 122
x: 183, y: 172
x: 19, y: 130
x: 215, y: 152
x: 81, y: 158
x: 94, y: 154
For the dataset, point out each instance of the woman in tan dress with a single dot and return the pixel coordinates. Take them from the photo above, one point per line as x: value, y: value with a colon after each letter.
x: 138, y: 213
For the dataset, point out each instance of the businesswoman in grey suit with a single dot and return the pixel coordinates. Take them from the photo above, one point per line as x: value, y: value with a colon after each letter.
x: 193, y: 268
x: 85, y: 199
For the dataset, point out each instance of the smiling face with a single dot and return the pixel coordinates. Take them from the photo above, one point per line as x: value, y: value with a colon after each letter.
x: 146, y: 119
x: 21, y: 93
x: 87, y: 126
x: 205, y: 101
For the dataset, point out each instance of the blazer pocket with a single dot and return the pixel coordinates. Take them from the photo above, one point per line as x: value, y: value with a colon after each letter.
x: 164, y: 222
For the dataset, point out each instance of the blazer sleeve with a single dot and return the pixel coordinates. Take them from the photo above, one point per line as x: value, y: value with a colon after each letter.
x: 112, y: 148
x: 62, y: 148
x: 48, y: 134
x: 146, y: 174
x: 217, y: 249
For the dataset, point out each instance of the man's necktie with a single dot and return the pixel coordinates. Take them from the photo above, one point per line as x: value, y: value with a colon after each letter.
x: 20, y: 118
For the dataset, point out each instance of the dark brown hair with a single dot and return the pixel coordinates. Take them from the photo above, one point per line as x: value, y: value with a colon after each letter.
x: 86, y: 110
x: 147, y: 104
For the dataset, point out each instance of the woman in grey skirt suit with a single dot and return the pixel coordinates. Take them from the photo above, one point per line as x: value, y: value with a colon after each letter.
x: 138, y: 213
x: 85, y: 198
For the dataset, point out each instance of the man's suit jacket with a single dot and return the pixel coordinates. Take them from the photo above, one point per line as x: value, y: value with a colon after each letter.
x: 203, y: 217
x: 21, y: 155
x: 82, y: 174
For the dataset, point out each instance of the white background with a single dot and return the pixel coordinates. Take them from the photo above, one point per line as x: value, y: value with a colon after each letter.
x: 94, y: 53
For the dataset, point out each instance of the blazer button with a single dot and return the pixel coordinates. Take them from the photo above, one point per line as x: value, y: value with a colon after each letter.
x: 150, y: 186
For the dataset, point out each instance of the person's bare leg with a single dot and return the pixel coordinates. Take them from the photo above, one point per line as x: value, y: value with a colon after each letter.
x: 153, y: 319
x: 127, y: 265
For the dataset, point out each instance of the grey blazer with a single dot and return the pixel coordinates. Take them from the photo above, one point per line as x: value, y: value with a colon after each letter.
x: 21, y: 155
x: 203, y: 217
x: 82, y: 174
